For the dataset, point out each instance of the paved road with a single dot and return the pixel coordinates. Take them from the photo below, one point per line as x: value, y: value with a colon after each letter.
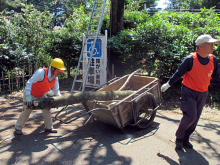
x: 99, y: 143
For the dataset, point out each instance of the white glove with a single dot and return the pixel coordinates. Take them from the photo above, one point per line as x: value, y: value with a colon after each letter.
x: 58, y: 94
x: 165, y: 87
x: 28, y: 100
x: 50, y: 92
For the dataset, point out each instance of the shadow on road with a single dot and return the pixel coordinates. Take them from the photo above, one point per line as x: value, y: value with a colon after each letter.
x: 87, y: 144
x: 209, y: 145
x: 92, y: 143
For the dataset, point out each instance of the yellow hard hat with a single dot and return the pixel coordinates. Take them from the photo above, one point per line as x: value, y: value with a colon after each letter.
x: 58, y: 63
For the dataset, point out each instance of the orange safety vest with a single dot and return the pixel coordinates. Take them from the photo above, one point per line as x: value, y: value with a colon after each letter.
x: 199, y: 77
x: 41, y: 87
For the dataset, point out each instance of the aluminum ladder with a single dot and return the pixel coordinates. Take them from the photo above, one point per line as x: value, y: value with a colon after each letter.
x: 97, y: 14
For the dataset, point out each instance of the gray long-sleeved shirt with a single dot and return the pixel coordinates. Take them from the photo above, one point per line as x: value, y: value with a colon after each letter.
x: 187, y: 64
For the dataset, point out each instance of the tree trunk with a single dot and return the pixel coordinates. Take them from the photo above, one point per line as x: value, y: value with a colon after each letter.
x: 55, y: 102
x: 68, y: 71
x: 117, y: 16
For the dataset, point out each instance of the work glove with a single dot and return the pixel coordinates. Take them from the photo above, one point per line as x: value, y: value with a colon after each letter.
x: 28, y: 100
x: 50, y: 92
x: 165, y: 87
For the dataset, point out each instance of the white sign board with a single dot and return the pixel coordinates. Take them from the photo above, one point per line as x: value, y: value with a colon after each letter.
x: 97, y: 72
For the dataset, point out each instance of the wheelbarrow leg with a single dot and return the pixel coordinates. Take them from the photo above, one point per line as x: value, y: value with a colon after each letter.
x: 90, y: 114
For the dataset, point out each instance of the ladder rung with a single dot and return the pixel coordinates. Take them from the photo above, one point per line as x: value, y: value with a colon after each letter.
x: 97, y: 10
x: 95, y: 17
x: 78, y: 80
x: 89, y: 42
x: 99, y: 2
x: 91, y: 37
x: 93, y: 25
x: 87, y: 52
x: 81, y: 71
x: 91, y: 34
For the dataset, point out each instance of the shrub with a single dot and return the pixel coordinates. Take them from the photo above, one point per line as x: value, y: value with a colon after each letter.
x: 164, y: 40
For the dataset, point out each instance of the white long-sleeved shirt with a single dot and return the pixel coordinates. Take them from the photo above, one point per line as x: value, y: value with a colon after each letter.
x: 39, y: 76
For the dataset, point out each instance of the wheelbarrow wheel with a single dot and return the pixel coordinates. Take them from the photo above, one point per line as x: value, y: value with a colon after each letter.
x: 144, y: 110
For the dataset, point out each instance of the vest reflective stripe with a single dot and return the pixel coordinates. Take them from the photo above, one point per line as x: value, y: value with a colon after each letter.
x: 199, y: 77
x: 41, y: 87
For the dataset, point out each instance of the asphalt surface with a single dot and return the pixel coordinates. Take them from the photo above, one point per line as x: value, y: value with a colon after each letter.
x: 100, y: 143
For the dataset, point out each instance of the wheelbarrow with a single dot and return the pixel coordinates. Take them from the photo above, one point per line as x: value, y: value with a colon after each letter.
x: 138, y: 109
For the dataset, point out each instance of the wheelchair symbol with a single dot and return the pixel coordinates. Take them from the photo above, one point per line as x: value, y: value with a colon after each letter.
x: 95, y: 51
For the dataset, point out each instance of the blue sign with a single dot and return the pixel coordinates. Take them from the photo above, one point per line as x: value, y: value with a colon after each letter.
x: 97, y: 50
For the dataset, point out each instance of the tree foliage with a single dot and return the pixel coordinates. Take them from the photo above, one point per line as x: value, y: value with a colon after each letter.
x: 142, y: 4
x: 9, y: 5
x: 65, y: 42
x: 163, y: 40
x: 193, y: 4
x: 29, y: 37
x: 23, y: 36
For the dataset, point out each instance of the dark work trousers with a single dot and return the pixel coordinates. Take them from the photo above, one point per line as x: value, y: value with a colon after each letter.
x: 192, y: 103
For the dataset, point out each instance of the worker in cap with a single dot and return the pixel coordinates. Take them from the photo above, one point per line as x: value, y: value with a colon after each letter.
x: 43, y: 82
x: 197, y: 70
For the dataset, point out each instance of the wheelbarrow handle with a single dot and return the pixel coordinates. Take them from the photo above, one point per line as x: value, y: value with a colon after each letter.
x: 56, y: 117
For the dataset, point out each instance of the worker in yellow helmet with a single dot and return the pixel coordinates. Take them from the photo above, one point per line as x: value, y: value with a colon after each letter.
x: 43, y: 82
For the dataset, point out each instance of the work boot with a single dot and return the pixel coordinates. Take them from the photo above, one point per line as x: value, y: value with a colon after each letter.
x: 18, y: 132
x: 179, y: 143
x: 187, y: 144
x: 51, y: 130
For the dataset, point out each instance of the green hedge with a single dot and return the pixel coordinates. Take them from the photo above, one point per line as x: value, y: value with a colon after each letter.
x: 163, y: 40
